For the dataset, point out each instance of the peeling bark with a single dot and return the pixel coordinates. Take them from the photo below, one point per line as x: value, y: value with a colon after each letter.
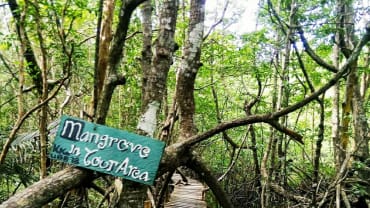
x: 155, y: 74
x: 154, y: 85
x: 148, y: 121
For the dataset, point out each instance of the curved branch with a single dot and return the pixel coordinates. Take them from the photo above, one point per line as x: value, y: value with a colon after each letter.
x: 312, y: 53
x: 224, y: 126
x: 307, y: 47
x: 267, y: 118
x: 263, y: 118
x: 287, y: 194
x: 294, y: 135
x: 205, y: 174
x: 7, y: 66
x: 218, y: 22
x: 234, y: 159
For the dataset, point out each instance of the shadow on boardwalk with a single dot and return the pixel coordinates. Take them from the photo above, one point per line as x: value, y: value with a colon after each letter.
x: 186, y: 195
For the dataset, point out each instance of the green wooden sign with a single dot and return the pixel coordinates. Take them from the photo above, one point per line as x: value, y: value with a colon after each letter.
x: 108, y: 150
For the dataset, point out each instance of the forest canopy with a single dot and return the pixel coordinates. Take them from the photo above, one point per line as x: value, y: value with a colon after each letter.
x: 268, y: 107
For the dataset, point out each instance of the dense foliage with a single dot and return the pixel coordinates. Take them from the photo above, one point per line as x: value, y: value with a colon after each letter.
x: 315, y: 155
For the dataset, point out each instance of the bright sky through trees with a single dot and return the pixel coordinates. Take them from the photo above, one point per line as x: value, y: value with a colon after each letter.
x: 241, y: 15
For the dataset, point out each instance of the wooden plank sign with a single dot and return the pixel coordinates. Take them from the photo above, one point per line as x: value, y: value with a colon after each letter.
x: 108, y: 150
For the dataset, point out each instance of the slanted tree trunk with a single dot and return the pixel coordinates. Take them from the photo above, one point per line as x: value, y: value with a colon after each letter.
x: 155, y: 77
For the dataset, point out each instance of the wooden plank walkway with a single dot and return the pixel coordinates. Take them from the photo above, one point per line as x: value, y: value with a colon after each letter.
x: 188, y: 195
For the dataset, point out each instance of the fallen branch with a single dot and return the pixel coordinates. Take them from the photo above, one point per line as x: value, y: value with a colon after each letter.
x: 46, y: 190
x: 281, y: 191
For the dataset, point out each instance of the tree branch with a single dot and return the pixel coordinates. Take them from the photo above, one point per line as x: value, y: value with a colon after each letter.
x: 307, y: 47
x: 218, y: 22
x: 312, y: 53
x: 7, y: 66
x: 234, y: 159
x: 294, y: 135
x: 267, y: 118
x: 195, y: 164
x: 341, y: 73
x: 44, y: 191
x: 281, y: 191
x: 112, y: 77
x: 20, y: 122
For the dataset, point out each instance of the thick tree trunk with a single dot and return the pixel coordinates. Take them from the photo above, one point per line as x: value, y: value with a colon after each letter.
x: 185, y: 94
x: 155, y: 77
x: 146, y: 51
x: 189, y: 68
x: 352, y: 105
x: 154, y: 85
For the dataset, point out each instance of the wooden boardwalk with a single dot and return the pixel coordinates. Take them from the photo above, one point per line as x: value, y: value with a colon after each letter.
x: 190, y: 195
